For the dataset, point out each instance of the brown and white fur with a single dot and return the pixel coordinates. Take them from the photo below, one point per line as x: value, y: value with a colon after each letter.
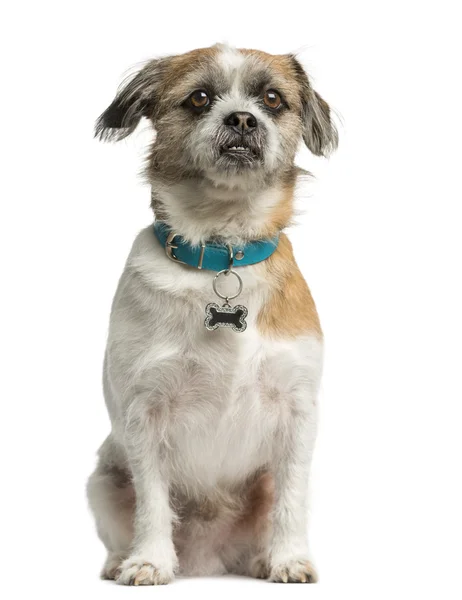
x: 206, y: 467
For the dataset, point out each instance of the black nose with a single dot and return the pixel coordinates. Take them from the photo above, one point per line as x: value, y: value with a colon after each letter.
x: 241, y: 122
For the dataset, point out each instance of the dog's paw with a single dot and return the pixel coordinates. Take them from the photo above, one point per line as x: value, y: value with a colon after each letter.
x: 140, y: 572
x: 111, y: 567
x: 297, y: 570
x: 259, y: 567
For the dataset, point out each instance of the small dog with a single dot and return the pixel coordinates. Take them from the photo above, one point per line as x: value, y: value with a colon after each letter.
x: 213, y: 406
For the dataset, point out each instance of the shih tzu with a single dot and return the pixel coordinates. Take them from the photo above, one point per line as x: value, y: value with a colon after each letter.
x: 214, y: 353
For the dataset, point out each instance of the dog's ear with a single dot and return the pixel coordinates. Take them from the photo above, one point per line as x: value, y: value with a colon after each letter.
x: 136, y: 98
x: 319, y: 132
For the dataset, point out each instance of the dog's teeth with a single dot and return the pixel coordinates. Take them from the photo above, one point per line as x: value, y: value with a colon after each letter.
x: 237, y: 148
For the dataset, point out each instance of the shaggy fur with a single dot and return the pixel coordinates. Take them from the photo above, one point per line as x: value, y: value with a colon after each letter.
x: 206, y: 467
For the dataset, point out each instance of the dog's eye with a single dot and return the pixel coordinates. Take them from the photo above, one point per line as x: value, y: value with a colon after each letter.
x: 199, y: 99
x: 272, y: 99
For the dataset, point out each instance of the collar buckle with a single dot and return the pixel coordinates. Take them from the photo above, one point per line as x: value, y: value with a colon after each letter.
x: 170, y: 246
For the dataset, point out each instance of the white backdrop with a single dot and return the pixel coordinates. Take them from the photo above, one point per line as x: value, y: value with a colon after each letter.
x: 378, y: 241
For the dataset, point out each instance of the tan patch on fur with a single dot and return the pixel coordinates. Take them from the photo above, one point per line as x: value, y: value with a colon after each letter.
x: 260, y: 503
x: 182, y: 64
x: 281, y: 215
x: 290, y: 310
x: 281, y: 65
x: 177, y: 71
x: 281, y: 62
x: 205, y: 509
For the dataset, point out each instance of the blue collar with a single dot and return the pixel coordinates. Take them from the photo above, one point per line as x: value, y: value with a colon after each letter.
x: 212, y: 257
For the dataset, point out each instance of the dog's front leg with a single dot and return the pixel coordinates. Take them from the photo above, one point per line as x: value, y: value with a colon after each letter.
x: 152, y: 559
x: 288, y: 552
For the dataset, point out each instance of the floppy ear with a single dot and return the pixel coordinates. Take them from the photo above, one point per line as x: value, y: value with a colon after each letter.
x: 319, y: 132
x: 135, y: 99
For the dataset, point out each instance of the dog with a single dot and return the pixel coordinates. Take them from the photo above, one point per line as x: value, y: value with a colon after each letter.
x: 206, y: 468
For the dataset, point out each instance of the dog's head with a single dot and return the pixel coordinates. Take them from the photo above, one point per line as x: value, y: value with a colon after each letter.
x: 221, y: 112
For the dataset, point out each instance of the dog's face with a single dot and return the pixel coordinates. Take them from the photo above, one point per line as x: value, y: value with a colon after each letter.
x: 221, y: 112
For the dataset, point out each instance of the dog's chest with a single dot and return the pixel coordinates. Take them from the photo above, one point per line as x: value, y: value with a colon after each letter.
x: 226, y: 399
x: 219, y: 398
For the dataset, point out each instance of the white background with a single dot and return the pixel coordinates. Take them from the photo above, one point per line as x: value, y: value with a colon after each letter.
x: 379, y: 243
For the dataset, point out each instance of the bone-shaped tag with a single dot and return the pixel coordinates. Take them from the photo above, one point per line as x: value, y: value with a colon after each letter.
x: 225, y: 316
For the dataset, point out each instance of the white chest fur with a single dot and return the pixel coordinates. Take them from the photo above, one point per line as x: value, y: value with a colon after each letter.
x: 218, y: 397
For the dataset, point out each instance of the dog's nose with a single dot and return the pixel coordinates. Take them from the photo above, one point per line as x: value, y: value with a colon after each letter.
x: 241, y: 122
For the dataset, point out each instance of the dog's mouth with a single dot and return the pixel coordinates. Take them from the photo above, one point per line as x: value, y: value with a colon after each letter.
x: 236, y: 150
x: 240, y: 153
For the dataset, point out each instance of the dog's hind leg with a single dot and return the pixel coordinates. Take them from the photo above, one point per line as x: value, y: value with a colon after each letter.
x: 112, y: 500
x: 247, y: 550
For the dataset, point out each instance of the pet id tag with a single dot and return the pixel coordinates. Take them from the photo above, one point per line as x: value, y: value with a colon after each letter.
x: 226, y: 315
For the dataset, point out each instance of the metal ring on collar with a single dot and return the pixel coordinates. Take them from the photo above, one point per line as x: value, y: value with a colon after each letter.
x: 231, y: 259
x: 227, y: 272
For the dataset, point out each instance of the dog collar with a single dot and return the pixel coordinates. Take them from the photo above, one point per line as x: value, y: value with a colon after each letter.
x: 210, y: 256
